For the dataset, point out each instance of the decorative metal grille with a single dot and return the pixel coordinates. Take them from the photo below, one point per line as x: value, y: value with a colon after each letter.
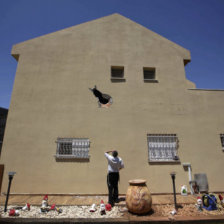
x: 73, y: 148
x: 162, y: 147
x: 65, y: 148
x: 222, y: 140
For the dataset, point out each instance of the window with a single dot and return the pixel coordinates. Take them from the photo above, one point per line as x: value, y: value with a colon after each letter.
x: 162, y: 147
x: 149, y: 74
x: 222, y: 140
x: 117, y: 74
x: 72, y: 148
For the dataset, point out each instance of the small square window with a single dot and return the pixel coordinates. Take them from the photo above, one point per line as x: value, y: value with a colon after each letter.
x: 162, y: 147
x: 222, y: 140
x: 72, y: 148
x: 117, y: 73
x: 149, y: 74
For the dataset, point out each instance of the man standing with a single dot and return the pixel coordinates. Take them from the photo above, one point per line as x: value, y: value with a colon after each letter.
x: 114, y: 165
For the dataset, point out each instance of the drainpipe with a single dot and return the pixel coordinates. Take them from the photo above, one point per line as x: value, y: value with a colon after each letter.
x: 188, y: 167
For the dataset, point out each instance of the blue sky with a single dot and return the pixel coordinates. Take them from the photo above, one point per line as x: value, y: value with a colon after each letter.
x: 197, y: 25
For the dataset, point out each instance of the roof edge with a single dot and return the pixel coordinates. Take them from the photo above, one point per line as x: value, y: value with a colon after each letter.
x: 185, y: 53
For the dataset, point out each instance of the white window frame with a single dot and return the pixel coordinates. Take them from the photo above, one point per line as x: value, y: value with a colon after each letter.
x: 79, y: 148
x: 162, y: 147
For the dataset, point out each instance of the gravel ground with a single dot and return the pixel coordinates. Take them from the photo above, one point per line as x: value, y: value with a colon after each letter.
x: 67, y: 212
x: 184, y: 210
x: 116, y: 212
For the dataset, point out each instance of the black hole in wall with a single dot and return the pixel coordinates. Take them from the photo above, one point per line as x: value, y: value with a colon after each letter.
x: 104, y: 100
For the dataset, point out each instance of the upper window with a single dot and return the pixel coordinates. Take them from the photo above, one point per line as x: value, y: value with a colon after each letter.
x: 222, y: 140
x: 149, y: 74
x: 73, y: 148
x: 117, y: 73
x: 162, y: 147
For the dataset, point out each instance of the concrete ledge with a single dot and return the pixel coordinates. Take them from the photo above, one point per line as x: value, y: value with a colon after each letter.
x: 128, y: 219
x: 208, y: 89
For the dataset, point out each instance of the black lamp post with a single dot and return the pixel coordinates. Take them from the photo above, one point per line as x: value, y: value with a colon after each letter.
x: 173, y: 174
x: 11, y: 174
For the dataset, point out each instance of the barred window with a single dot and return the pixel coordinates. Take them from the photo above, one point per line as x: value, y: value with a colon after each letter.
x: 162, y: 147
x: 72, y: 148
x: 222, y: 140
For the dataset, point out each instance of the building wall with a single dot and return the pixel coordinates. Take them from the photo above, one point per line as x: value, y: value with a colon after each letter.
x: 51, y: 99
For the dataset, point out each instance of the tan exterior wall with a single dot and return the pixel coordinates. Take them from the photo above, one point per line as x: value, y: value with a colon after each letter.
x: 51, y: 99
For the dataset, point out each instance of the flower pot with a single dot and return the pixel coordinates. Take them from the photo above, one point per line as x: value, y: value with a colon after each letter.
x: 138, y: 197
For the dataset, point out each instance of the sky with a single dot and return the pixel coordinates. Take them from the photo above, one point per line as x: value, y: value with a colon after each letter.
x: 197, y: 25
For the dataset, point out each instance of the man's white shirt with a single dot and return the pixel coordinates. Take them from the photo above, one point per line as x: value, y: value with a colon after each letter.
x: 114, y: 164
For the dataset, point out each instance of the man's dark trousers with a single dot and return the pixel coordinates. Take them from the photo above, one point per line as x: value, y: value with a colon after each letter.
x: 112, y: 183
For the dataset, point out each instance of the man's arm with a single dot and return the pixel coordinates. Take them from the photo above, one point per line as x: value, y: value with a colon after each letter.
x: 107, y: 155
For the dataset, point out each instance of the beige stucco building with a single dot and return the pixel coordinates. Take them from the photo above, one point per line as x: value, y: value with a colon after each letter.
x: 158, y: 119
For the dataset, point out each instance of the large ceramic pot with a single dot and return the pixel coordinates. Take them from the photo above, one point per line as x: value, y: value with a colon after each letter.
x: 138, y: 197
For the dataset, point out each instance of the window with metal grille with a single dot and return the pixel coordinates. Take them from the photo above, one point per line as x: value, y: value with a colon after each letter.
x: 162, y: 147
x: 69, y: 148
x: 222, y: 140
x: 149, y: 74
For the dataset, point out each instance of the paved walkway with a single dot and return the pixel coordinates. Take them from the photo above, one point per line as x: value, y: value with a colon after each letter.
x: 89, y: 200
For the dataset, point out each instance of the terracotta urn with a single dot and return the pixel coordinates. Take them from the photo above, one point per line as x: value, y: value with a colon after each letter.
x: 138, y: 197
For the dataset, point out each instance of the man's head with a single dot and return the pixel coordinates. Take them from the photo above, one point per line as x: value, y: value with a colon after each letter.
x: 115, y: 153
